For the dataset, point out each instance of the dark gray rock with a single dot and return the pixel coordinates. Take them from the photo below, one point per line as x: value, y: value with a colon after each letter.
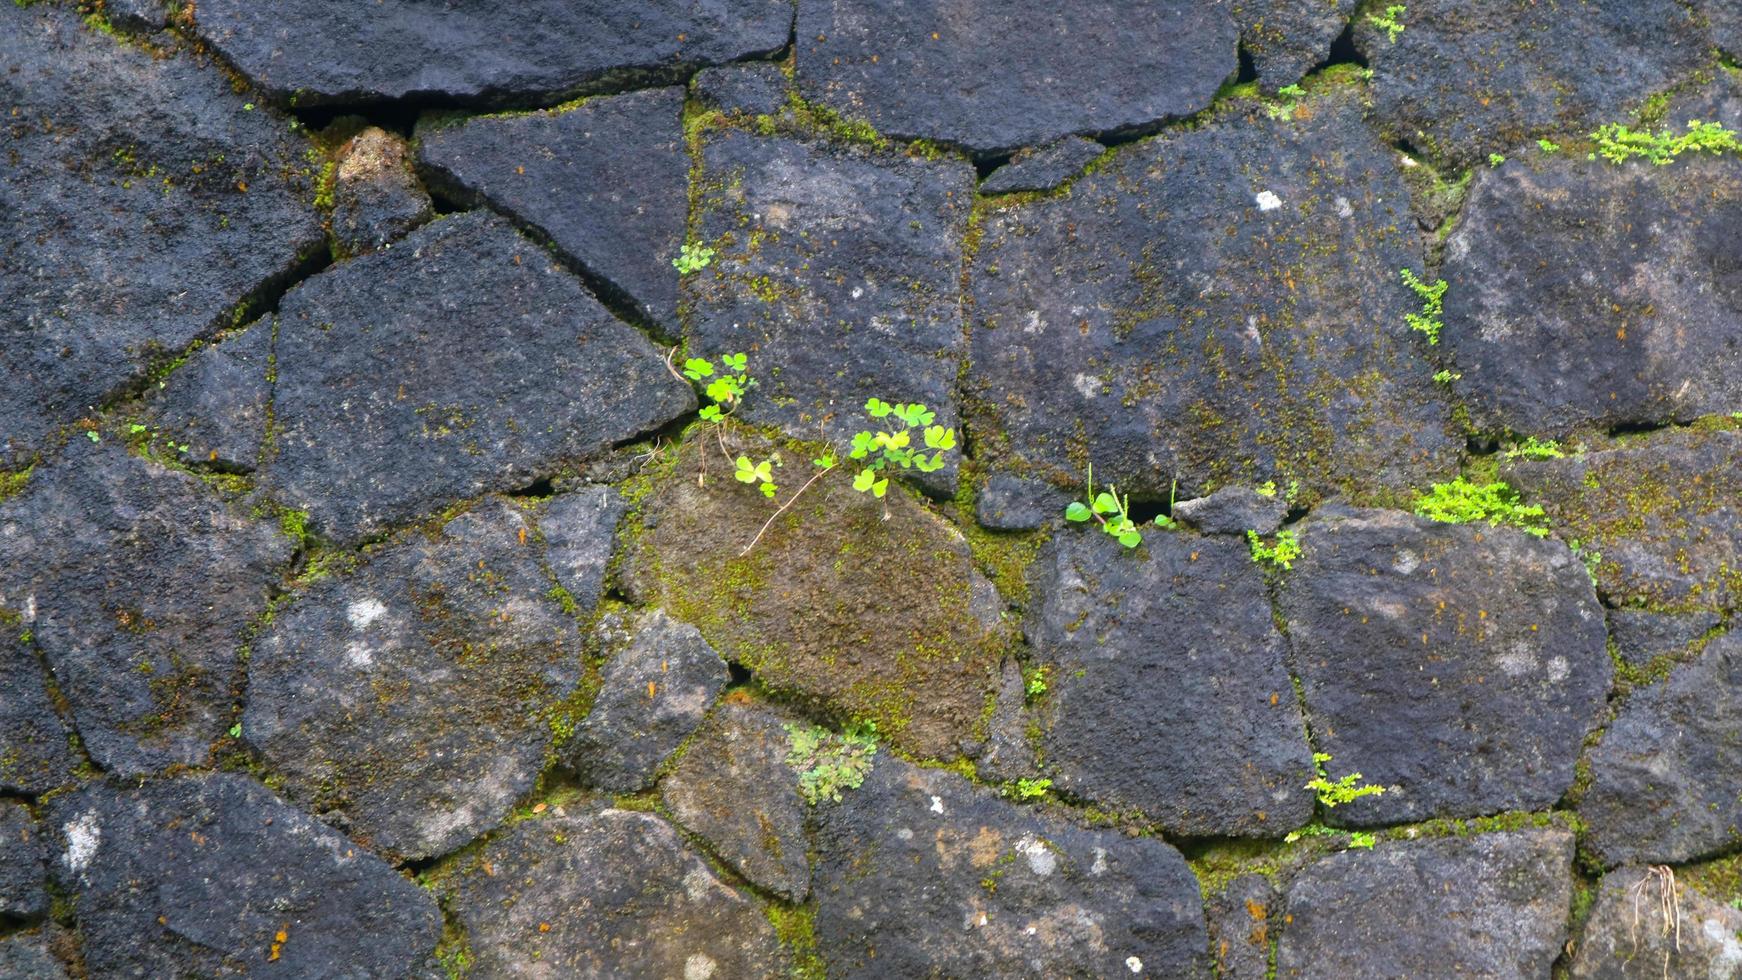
x: 1661, y: 511
x: 1491, y: 905
x: 1043, y: 168
x: 607, y: 894
x: 376, y: 198
x: 1726, y: 23
x: 214, y: 876
x: 137, y: 15
x: 139, y: 205
x: 1288, y: 38
x: 734, y: 789
x: 1015, y: 503
x: 309, y: 53
x: 408, y: 700
x: 1719, y: 102
x: 1460, y: 665
x: 1642, y: 635
x: 1559, y: 322
x: 459, y: 362
x: 606, y: 182
x: 1177, y: 315
x: 138, y: 585
x: 1007, y: 755
x: 839, y: 272
x: 215, y: 404
x: 1628, y: 937
x: 992, y: 78
x: 660, y: 681
x: 22, y: 874
x: 1243, y: 921
x: 34, y: 755
x: 755, y: 89
x: 1462, y: 80
x: 26, y: 956
x: 580, y: 535
x: 1233, y: 510
x: 1175, y: 638
x: 1666, y: 780
x: 921, y: 874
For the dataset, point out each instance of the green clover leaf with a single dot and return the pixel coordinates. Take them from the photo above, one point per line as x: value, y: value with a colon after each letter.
x: 938, y: 437
x: 1077, y: 511
x: 735, y: 362
x: 864, y: 480
x: 878, y: 409
x: 696, y: 368
x: 710, y: 413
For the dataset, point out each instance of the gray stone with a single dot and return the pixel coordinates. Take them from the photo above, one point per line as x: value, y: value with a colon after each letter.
x: 1233, y: 510
x: 1464, y: 80
x: 376, y: 199
x: 755, y: 89
x: 1176, y: 316
x: 606, y: 894
x: 1641, y: 635
x: 459, y: 362
x: 1242, y: 930
x: 215, y: 404
x: 1719, y: 102
x: 1044, y: 167
x: 1726, y: 23
x: 138, y: 586
x: 137, y: 15
x: 140, y: 204
x: 1628, y: 936
x: 1288, y: 38
x: 1460, y: 665
x: 212, y: 875
x: 992, y: 78
x: 34, y: 755
x: 921, y: 874
x: 1016, y: 503
x: 22, y: 874
x: 309, y: 53
x: 606, y: 182
x: 1666, y: 780
x: 1007, y: 755
x: 26, y: 956
x: 734, y: 789
x: 838, y: 269
x: 658, y: 684
x: 1177, y: 638
x: 580, y: 536
x: 1491, y: 905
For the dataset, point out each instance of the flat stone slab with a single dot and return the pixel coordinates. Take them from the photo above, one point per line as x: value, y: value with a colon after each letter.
x: 1233, y: 510
x: 1009, y: 502
x: 216, y: 403
x: 213, y: 875
x: 1459, y: 665
x: 1288, y: 38
x: 307, y: 54
x: 26, y: 956
x: 755, y: 89
x: 459, y: 362
x: 1628, y: 937
x: 23, y: 875
x: 1244, y: 920
x: 992, y: 78
x: 1175, y: 316
x: 34, y: 754
x: 606, y: 182
x: 138, y: 584
x: 921, y: 874
x: 1641, y: 635
x: 407, y: 701
x: 1489, y: 905
x: 141, y: 203
x: 1176, y: 637
x: 1043, y: 168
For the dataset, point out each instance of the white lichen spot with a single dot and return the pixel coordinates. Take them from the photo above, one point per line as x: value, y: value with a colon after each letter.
x: 1558, y: 669
x: 1041, y: 860
x: 1268, y: 201
x: 1033, y: 323
x: 1405, y: 562
x: 1087, y: 385
x: 699, y: 966
x: 1133, y: 964
x: 83, y: 835
x: 363, y: 612
x: 358, y: 654
x: 1099, y: 867
x: 937, y: 804
x: 1344, y: 208
x: 904, y: 833
x: 858, y: 291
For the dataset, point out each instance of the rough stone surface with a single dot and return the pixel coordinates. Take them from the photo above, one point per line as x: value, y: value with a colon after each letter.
x: 1661, y: 511
x: 1628, y: 938
x: 34, y: 756
x: 660, y: 680
x: 920, y: 874
x: 607, y: 894
x: 1014, y: 503
x: 1287, y: 38
x: 215, y: 404
x: 22, y: 874
x: 138, y: 585
x: 606, y: 182
x: 406, y: 700
x: 1726, y: 22
x: 1176, y: 638
x: 1043, y: 168
x: 26, y: 956
x: 580, y: 536
x: 310, y: 53
x: 1491, y: 905
x: 376, y: 199
x: 1461, y: 665
x: 1642, y: 635
x: 1243, y: 920
x: 1463, y: 80
x: 136, y: 15
x: 1233, y: 510
x: 1666, y: 780
x: 1179, y: 315
x: 459, y: 362
x: 839, y: 272
x: 757, y: 89
x: 139, y: 204
x: 1008, y: 755
x: 213, y: 875
x: 992, y: 78
x: 734, y: 789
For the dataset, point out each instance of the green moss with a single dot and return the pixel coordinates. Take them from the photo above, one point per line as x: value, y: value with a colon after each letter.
x: 1719, y: 880
x: 796, y: 927
x: 1516, y: 820
x: 12, y: 483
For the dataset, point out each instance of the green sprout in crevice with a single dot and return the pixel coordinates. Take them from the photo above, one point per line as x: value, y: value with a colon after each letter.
x: 1280, y: 554
x: 1618, y: 143
x: 1463, y: 502
x: 1427, y: 322
x: 1290, y: 96
x: 828, y: 763
x: 692, y: 258
x: 1391, y: 21
x: 1534, y: 448
x: 1112, y: 512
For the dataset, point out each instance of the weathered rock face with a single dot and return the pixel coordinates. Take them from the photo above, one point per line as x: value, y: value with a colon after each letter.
x: 1661, y: 511
x: 580, y: 536
x: 1586, y: 294
x: 1462, y: 80
x: 1242, y: 930
x: 26, y: 956
x: 1666, y: 780
x: 993, y: 78
x: 307, y: 54
x: 1177, y: 639
x: 1009, y: 753
x: 1491, y: 905
x: 756, y: 89
x: 141, y: 205
x: 34, y: 756
x: 1233, y: 510
x: 22, y: 873
x: 1460, y: 665
x: 1178, y: 315
x: 1629, y: 938
x: 920, y: 874
x: 1287, y: 38
x: 1014, y: 503
x: 137, y: 584
x: 459, y: 362
x: 215, y: 404
x: 839, y: 272
x: 213, y: 875
x: 408, y: 699
x: 1642, y: 635
x: 606, y: 182
x: 606, y: 894
x: 1043, y: 168
x: 1726, y: 22
x: 376, y: 200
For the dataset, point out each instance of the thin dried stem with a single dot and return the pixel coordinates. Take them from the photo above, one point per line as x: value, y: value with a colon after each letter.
x: 790, y: 501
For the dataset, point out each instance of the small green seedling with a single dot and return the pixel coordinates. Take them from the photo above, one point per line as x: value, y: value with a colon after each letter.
x: 757, y: 472
x: 692, y: 258
x: 1112, y: 512
x: 1496, y: 159
x: 1618, y: 144
x: 1356, y: 838
x: 1391, y: 22
x: 1463, y: 502
x: 1034, y: 683
x: 1028, y: 789
x: 1344, y: 790
x: 1446, y: 376
x: 1290, y: 95
x: 828, y: 763
x: 1266, y: 489
x: 881, y: 450
x: 1548, y: 146
x: 1534, y: 448
x: 1427, y: 322
x: 1281, y: 554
